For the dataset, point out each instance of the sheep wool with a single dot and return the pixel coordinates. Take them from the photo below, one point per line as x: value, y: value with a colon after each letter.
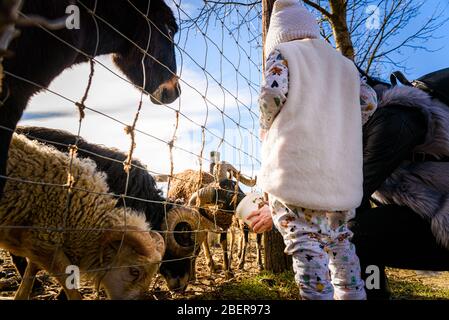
x: 79, y: 228
x: 184, y: 184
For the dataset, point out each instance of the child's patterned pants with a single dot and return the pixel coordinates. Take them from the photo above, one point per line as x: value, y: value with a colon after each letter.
x: 324, y: 259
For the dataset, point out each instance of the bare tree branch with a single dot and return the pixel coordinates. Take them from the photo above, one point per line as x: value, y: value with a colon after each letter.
x: 249, y: 4
x: 321, y: 9
x: 344, y: 24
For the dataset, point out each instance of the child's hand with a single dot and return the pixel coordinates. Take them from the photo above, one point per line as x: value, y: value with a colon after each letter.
x: 261, y: 220
x: 262, y: 134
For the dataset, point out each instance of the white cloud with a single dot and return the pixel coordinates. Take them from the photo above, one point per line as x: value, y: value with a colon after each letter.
x: 119, y: 100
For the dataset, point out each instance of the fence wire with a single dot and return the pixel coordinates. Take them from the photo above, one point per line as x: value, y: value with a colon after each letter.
x: 218, y: 43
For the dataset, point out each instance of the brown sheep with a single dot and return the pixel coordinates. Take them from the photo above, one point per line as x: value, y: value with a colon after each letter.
x: 216, y: 197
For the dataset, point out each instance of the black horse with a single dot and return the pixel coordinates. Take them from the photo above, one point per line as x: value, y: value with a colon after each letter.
x: 124, y: 29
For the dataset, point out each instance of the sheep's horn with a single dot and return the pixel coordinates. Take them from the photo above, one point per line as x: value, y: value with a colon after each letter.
x: 206, y: 195
x: 247, y: 181
x: 142, y: 241
x: 185, y: 235
x: 213, y: 196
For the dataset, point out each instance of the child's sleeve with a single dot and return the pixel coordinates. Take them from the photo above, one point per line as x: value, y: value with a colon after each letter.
x: 368, y: 100
x: 274, y: 89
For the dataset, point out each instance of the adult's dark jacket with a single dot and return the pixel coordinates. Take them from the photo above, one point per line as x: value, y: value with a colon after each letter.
x: 408, y: 125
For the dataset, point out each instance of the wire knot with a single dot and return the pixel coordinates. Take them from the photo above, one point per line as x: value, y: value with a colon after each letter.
x: 81, y: 108
x: 73, y: 150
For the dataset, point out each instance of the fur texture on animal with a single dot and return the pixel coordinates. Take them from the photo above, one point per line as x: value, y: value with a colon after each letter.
x: 141, y: 184
x: 422, y: 186
x: 144, y: 196
x: 41, y: 220
x: 183, y: 186
x: 216, y: 196
x: 186, y: 183
x: 40, y: 56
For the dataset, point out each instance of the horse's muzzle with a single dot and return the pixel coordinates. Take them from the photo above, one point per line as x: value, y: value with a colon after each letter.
x: 167, y: 92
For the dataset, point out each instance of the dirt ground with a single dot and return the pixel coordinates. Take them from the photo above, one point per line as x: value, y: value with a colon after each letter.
x: 407, y: 284
x: 205, y: 284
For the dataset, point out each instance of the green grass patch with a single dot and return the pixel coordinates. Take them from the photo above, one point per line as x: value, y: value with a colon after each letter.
x: 265, y: 286
x: 269, y: 286
x: 414, y: 289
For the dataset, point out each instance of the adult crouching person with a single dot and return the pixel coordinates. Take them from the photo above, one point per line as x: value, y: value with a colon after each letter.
x: 406, y: 167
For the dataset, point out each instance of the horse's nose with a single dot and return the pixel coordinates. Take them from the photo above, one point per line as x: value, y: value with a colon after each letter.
x: 171, y: 94
x: 167, y: 92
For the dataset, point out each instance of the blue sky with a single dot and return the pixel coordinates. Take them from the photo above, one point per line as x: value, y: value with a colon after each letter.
x: 418, y: 62
x: 216, y: 67
x: 422, y: 62
x: 219, y: 93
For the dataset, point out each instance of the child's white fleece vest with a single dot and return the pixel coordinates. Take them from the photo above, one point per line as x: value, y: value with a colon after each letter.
x: 312, y: 154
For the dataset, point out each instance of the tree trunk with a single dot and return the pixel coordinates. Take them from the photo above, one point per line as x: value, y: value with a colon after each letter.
x: 276, y: 260
x: 340, y: 29
x: 267, y: 8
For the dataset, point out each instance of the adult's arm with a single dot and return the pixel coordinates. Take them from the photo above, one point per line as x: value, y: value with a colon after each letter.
x: 388, y: 139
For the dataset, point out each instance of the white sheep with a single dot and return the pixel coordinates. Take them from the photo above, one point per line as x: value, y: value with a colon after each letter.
x: 111, y: 246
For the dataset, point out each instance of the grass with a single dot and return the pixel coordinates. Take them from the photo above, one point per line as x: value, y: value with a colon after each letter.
x: 414, y: 290
x: 268, y: 286
x: 406, y: 284
x: 265, y: 286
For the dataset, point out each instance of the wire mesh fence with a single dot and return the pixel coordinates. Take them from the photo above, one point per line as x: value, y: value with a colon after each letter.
x: 218, y: 52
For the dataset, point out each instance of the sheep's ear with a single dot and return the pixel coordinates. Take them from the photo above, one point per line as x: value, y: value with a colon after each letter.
x: 143, y: 242
x: 159, y: 241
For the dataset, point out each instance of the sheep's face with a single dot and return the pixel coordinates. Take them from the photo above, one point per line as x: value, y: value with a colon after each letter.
x: 176, y: 273
x: 177, y: 283
x: 131, y: 276
x: 183, y: 241
x: 134, y: 259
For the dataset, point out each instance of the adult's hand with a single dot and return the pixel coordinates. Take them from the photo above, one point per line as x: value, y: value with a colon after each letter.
x: 261, y: 220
